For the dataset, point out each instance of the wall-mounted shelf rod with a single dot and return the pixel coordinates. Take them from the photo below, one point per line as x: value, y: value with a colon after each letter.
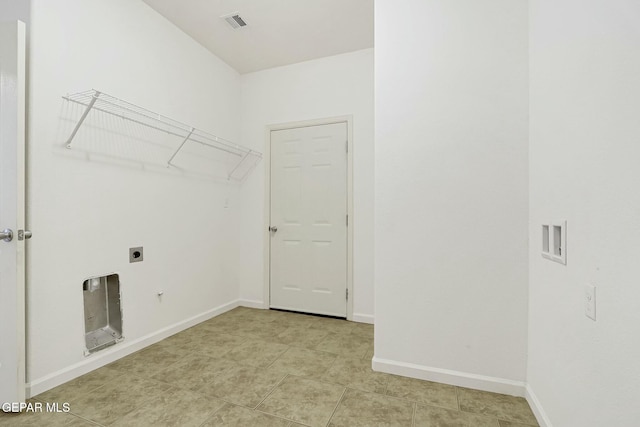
x: 98, y: 101
x: 159, y: 118
x: 168, y: 132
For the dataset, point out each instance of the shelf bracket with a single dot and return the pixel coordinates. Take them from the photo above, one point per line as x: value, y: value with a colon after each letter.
x: 175, y: 153
x: 84, y: 116
x: 239, y: 163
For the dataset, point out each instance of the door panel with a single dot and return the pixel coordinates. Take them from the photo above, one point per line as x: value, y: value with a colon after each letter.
x: 309, y: 208
x: 12, y: 304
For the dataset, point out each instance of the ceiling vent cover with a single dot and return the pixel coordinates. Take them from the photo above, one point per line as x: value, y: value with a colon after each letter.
x: 235, y: 20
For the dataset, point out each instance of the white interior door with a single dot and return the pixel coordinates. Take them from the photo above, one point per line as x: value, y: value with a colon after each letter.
x: 309, y: 219
x: 12, y: 132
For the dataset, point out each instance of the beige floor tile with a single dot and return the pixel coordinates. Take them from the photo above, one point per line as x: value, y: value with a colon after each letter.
x: 238, y: 312
x: 303, y: 362
x: 237, y: 416
x: 508, y: 408
x: 267, y: 331
x: 40, y: 417
x: 43, y: 419
x: 333, y: 326
x: 296, y: 318
x: 194, y: 371
x: 203, y: 340
x: 238, y: 326
x: 170, y: 347
x: 430, y: 416
x: 318, y: 323
x: 359, y: 409
x: 176, y: 408
x: 214, y: 321
x: 427, y: 392
x: 201, y: 331
x: 512, y: 424
x: 290, y: 319
x: 264, y: 315
x: 194, y: 331
x: 244, y: 313
x: 357, y: 374
x: 364, y: 330
x: 243, y: 385
x: 256, y: 353
x: 146, y: 362
x: 292, y: 366
x: 347, y: 345
x: 216, y: 344
x: 303, y: 400
x: 229, y: 317
x: 80, y: 386
x: 179, y: 343
x: 301, y: 336
x: 117, y: 398
x: 369, y: 354
x: 74, y: 421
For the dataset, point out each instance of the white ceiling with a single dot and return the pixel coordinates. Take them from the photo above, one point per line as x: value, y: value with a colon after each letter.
x: 278, y: 32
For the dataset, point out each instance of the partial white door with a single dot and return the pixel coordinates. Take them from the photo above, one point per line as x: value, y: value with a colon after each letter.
x: 12, y: 299
x: 309, y: 219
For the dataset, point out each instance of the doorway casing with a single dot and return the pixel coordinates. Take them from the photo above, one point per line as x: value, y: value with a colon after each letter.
x: 267, y: 202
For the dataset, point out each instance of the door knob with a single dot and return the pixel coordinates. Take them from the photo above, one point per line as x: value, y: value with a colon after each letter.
x: 6, y: 235
x: 274, y: 229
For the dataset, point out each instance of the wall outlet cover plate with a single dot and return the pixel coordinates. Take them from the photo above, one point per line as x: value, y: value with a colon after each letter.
x: 136, y: 254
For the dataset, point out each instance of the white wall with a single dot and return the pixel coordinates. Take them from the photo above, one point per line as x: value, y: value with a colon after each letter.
x: 334, y: 86
x: 585, y: 99
x: 451, y: 200
x: 85, y: 214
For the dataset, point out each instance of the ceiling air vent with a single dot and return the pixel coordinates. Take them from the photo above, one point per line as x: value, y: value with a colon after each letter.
x: 235, y: 20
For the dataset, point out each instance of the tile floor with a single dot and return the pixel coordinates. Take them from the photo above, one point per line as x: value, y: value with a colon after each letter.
x: 265, y: 368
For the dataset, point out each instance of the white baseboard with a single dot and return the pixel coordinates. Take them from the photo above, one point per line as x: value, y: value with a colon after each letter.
x: 536, y: 407
x: 461, y: 379
x: 363, y: 318
x: 119, y: 350
x: 252, y: 303
x: 357, y: 317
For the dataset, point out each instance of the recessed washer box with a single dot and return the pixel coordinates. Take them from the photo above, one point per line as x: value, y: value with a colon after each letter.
x: 102, y: 312
x: 554, y: 241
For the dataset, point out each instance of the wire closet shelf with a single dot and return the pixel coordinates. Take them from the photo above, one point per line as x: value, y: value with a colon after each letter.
x: 244, y: 159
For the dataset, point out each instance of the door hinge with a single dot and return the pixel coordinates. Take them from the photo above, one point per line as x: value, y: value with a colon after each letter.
x: 346, y: 146
x: 347, y: 294
x: 347, y: 220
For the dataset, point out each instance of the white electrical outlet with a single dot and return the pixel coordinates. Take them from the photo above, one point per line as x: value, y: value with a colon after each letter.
x: 590, y: 301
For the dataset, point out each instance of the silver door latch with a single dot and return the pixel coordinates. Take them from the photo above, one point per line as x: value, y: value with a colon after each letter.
x: 24, y: 234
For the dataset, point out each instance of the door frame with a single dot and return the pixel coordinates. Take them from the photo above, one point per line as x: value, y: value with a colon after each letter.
x: 15, y: 116
x: 267, y: 201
